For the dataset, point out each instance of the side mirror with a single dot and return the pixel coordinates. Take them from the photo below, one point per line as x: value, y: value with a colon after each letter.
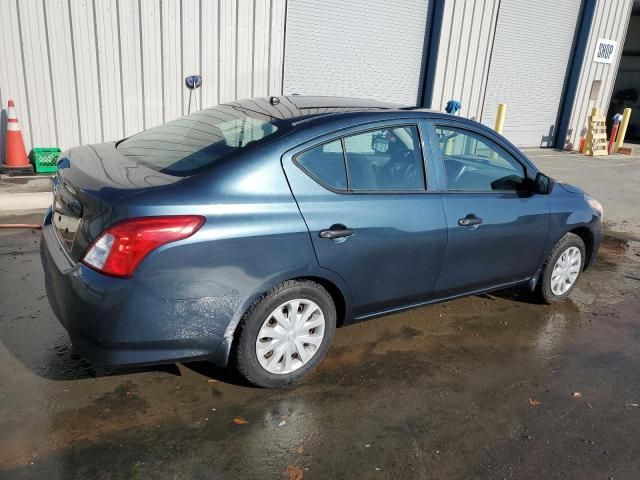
x: 543, y: 185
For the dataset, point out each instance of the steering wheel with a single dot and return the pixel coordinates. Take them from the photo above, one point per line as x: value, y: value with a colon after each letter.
x: 401, y: 169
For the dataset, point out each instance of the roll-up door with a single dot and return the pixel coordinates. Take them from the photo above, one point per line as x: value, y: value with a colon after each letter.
x: 529, y: 63
x: 357, y: 48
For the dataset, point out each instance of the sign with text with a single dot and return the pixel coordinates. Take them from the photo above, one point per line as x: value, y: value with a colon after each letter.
x: 605, y: 51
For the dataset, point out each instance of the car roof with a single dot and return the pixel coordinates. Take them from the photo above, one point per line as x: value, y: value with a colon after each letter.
x: 297, y: 109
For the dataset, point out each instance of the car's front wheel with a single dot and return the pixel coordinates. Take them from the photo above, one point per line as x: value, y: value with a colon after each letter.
x: 285, y: 334
x: 562, y: 269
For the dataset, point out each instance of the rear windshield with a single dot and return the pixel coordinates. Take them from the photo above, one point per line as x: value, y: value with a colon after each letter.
x: 190, y: 144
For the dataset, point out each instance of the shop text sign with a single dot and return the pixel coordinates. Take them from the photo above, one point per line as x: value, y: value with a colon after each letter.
x: 605, y: 51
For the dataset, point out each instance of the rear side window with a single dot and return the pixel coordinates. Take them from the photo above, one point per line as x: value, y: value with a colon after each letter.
x: 325, y: 163
x: 387, y: 159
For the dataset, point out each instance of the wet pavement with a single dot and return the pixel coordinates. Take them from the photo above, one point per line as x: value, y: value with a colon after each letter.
x: 483, y: 387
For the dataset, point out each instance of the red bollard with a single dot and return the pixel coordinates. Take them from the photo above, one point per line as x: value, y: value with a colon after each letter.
x: 617, y: 118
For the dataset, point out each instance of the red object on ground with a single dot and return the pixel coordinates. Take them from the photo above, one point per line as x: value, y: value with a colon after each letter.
x: 614, y: 134
x: 16, y: 154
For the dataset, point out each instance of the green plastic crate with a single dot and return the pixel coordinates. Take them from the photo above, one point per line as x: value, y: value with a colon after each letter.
x: 45, y: 159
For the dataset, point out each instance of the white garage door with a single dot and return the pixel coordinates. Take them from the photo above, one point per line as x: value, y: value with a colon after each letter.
x: 529, y: 63
x: 357, y: 48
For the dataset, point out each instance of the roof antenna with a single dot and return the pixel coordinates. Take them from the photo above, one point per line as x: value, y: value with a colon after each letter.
x: 274, y: 100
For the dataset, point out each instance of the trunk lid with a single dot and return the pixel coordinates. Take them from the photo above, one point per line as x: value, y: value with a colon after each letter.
x: 86, y: 188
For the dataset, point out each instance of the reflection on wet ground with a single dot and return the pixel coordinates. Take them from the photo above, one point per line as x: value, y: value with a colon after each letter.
x: 489, y: 386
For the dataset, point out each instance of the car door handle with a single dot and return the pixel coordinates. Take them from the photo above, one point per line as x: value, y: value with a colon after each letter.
x: 336, y: 231
x: 469, y: 221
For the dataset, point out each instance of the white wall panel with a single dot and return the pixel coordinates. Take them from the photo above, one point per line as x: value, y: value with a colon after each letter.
x: 210, y: 45
x: 245, y: 48
x: 610, y: 23
x: 131, y: 65
x: 83, y: 31
x: 228, y: 10
x: 190, y: 49
x: 12, y: 84
x: 276, y: 46
x: 261, y: 44
x: 37, y: 73
x: 172, y: 63
x: 109, y: 65
x: 66, y: 121
x: 151, y: 53
x: 464, y: 53
x: 86, y: 71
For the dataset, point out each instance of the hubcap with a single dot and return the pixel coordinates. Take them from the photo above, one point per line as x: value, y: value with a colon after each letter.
x: 566, y: 270
x: 290, y: 336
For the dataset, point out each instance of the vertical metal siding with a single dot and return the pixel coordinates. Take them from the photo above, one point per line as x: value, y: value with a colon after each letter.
x: 151, y: 53
x: 65, y: 101
x: 86, y: 71
x: 275, y: 57
x: 109, y: 65
x: 463, y: 57
x: 36, y: 68
x: 363, y: 48
x: 610, y: 21
x: 529, y: 63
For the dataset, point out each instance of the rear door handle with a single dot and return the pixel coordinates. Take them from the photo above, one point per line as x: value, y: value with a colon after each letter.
x: 336, y: 231
x: 469, y: 221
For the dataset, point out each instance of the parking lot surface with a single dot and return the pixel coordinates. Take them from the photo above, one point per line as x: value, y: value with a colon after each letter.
x: 490, y: 386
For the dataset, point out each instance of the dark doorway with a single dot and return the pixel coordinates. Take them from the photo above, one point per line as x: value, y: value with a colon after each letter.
x: 626, y: 91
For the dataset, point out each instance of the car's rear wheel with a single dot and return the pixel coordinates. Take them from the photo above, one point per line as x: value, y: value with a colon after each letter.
x: 562, y: 269
x: 285, y: 334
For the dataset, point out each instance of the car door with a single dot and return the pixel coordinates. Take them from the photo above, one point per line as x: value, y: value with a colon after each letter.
x: 372, y: 218
x: 497, y: 227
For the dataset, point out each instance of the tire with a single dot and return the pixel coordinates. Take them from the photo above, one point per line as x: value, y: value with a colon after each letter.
x: 262, y: 368
x: 545, y: 289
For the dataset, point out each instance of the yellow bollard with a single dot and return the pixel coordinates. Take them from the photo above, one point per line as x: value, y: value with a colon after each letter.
x: 502, y: 112
x: 622, y: 131
x: 448, y: 149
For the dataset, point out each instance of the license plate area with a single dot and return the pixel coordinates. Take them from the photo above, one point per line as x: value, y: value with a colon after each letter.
x: 67, y: 213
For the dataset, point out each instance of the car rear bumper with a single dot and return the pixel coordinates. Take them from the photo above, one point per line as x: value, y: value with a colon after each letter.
x: 117, y: 322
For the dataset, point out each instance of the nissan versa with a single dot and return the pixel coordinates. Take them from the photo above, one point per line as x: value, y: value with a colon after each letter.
x: 246, y: 232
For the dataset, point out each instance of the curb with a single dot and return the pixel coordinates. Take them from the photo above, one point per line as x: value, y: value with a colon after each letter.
x: 19, y: 202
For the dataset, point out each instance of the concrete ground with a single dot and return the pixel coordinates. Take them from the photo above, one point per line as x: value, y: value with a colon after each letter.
x: 19, y: 194
x: 490, y: 386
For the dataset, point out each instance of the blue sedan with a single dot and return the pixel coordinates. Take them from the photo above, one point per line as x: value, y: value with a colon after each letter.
x: 245, y: 233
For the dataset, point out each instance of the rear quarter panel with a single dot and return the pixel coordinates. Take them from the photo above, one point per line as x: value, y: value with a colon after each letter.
x: 254, y: 237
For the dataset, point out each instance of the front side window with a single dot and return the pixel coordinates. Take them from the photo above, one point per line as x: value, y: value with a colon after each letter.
x: 473, y: 162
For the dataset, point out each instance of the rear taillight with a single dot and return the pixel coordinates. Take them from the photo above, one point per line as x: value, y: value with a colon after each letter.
x: 120, y: 248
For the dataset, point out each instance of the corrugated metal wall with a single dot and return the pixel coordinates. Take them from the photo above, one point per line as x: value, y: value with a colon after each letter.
x: 85, y: 71
x: 464, y: 53
x: 610, y: 21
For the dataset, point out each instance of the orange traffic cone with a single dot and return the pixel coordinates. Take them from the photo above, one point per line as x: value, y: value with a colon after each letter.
x: 16, y: 154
